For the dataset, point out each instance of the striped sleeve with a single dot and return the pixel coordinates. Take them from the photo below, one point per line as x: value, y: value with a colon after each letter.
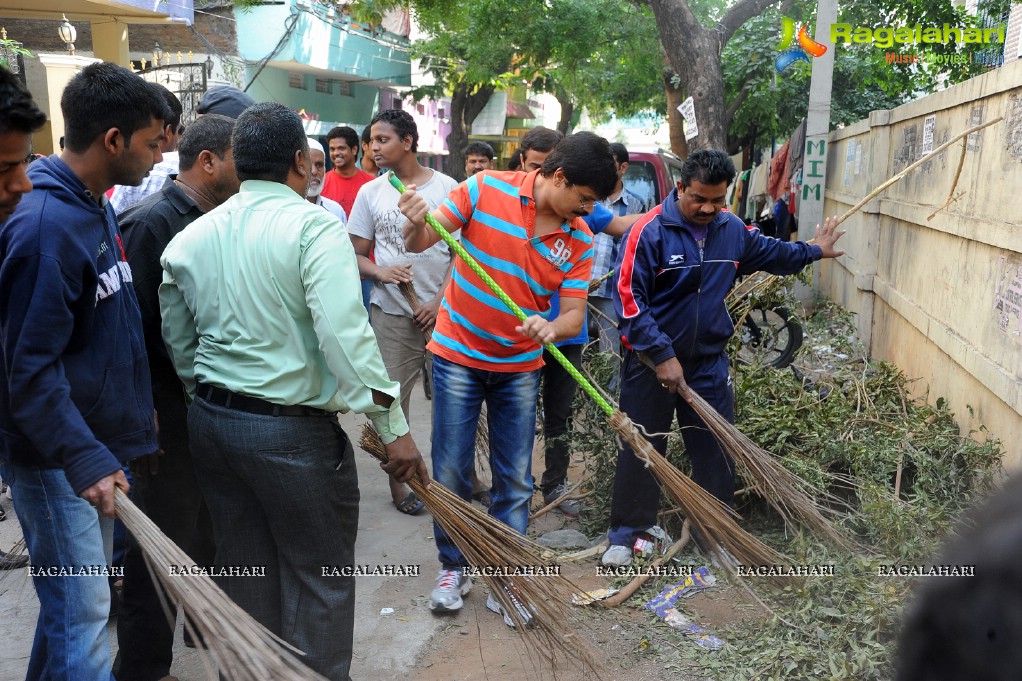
x: 460, y: 204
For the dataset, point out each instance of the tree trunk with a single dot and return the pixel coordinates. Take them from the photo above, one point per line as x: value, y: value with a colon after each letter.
x: 567, y: 111
x: 694, y: 53
x: 675, y: 127
x: 465, y: 106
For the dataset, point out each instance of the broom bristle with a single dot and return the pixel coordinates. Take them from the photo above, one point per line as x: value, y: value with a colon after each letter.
x: 713, y: 521
x: 488, y: 543
x: 244, y: 649
x: 785, y: 491
x: 408, y: 291
x: 483, y: 445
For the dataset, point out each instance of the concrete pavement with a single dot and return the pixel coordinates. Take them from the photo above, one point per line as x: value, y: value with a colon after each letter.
x: 385, y: 646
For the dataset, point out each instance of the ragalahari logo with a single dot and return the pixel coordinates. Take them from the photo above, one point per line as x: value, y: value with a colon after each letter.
x: 806, y: 45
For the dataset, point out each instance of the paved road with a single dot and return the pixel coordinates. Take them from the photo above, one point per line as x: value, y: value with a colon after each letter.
x: 385, y: 645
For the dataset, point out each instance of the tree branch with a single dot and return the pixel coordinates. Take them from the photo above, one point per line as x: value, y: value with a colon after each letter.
x: 476, y: 102
x: 732, y: 109
x: 740, y: 13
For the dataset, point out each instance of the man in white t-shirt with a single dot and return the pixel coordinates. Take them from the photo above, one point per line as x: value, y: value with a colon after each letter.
x: 315, y: 191
x: 375, y: 219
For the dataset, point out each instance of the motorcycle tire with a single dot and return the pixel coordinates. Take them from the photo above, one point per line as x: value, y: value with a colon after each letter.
x: 771, y: 337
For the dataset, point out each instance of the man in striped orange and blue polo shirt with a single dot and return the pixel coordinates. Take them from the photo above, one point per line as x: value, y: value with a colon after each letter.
x: 527, y: 232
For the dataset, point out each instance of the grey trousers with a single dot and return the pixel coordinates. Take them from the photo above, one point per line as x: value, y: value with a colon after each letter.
x: 283, y: 495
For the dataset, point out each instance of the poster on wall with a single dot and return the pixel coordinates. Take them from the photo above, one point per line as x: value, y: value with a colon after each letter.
x: 1008, y: 298
x: 929, y: 124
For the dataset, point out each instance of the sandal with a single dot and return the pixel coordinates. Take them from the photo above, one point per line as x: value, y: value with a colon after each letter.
x: 410, y: 505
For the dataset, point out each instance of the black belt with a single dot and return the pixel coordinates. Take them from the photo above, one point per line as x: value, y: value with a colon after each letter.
x: 254, y: 405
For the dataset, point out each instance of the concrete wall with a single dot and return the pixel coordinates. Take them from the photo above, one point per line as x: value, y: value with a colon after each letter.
x: 272, y: 85
x: 216, y: 25
x: 939, y: 295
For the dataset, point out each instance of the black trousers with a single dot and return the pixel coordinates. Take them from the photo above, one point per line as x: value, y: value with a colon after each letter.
x: 636, y: 491
x: 558, y: 395
x: 173, y: 500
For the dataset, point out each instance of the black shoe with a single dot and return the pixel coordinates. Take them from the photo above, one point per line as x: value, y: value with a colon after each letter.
x: 11, y: 561
x: 115, y: 598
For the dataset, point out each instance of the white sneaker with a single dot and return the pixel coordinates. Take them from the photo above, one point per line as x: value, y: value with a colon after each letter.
x: 451, y: 585
x: 523, y: 613
x: 569, y: 507
x: 617, y: 556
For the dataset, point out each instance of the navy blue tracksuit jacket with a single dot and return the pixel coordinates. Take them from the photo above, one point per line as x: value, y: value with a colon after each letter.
x: 670, y: 289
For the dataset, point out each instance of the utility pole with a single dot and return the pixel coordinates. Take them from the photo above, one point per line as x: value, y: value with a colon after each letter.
x: 814, y: 164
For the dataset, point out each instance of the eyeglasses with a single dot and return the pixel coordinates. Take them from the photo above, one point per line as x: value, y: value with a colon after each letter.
x: 582, y: 202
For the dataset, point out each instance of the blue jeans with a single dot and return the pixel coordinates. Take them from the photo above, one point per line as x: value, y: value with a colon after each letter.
x: 458, y: 394
x: 62, y: 530
x: 367, y: 289
x: 283, y: 494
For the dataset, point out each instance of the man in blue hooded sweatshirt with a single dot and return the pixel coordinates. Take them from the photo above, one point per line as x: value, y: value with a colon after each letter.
x: 75, y: 396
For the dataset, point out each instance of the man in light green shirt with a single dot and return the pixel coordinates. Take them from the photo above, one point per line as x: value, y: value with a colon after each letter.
x: 263, y: 316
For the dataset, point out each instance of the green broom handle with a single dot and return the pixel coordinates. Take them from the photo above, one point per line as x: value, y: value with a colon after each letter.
x: 495, y: 287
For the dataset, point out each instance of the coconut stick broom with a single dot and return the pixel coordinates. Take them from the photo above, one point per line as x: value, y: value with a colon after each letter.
x: 714, y: 521
x: 462, y: 522
x: 244, y: 649
x: 498, y: 551
x: 792, y: 497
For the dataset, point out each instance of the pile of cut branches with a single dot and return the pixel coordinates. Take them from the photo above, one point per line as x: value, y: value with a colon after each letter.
x: 833, y: 412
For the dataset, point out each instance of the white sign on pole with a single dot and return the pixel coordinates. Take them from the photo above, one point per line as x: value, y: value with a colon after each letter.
x: 688, y: 112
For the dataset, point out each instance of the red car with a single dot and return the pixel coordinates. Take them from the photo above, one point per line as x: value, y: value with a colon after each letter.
x: 651, y: 175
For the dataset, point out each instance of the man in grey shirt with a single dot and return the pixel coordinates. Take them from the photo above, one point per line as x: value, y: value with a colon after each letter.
x: 376, y: 220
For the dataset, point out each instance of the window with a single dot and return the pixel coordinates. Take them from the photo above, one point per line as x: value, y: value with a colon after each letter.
x: 296, y: 80
x: 344, y: 88
x: 323, y: 86
x: 640, y: 179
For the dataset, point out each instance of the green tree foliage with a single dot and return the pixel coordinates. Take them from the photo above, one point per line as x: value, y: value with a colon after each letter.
x: 601, y: 55
x: 596, y: 54
x: 754, y: 105
x: 768, y: 106
x: 466, y: 59
x: 771, y: 105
